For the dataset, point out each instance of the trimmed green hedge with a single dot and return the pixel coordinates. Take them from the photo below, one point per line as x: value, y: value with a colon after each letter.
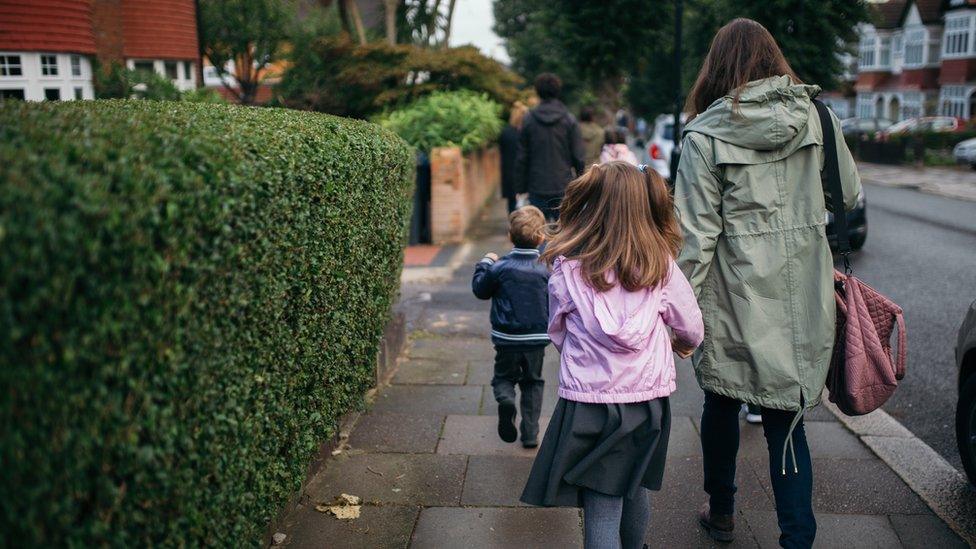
x: 190, y: 296
x: 463, y: 118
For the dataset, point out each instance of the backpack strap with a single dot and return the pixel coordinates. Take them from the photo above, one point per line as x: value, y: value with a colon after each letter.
x: 902, y: 346
x: 830, y: 179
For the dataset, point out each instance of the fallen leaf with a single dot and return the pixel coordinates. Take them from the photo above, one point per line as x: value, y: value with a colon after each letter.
x: 349, y: 499
x: 345, y: 512
x: 322, y: 508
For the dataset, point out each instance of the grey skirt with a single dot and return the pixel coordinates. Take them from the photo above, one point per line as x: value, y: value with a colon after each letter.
x: 610, y: 448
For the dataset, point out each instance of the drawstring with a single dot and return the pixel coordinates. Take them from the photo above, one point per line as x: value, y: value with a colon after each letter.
x: 788, y: 443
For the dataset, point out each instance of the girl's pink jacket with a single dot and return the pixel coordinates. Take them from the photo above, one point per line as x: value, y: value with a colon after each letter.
x: 617, y: 151
x: 615, y: 345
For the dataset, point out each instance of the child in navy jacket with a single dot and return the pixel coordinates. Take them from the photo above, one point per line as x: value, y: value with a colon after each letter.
x: 517, y: 285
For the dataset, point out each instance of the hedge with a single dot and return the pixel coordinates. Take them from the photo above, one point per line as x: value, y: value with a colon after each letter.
x: 462, y: 118
x: 191, y: 296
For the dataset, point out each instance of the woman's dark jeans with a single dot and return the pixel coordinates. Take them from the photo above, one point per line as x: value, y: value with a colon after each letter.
x: 793, y: 491
x: 548, y: 204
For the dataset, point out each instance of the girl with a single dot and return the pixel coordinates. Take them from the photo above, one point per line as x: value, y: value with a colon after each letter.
x: 751, y: 206
x: 616, y: 148
x: 613, y: 293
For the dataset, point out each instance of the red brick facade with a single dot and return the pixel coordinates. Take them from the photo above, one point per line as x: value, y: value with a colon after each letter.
x: 958, y: 71
x: 47, y: 25
x: 919, y: 79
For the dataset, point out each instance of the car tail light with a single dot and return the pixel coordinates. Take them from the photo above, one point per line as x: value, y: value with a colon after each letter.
x: 655, y: 152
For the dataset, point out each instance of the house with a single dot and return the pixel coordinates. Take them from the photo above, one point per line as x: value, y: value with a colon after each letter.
x: 917, y: 58
x: 49, y: 49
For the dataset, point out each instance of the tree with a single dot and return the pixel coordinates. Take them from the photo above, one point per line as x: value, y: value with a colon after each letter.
x: 247, y: 33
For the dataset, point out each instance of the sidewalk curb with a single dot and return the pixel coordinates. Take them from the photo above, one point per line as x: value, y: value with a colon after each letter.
x: 944, y: 489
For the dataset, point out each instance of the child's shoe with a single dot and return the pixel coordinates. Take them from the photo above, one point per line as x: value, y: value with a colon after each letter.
x: 532, y: 443
x: 719, y: 527
x: 506, y: 421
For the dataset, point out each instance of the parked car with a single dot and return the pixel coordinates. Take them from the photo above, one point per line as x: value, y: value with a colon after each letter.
x: 926, y: 124
x: 965, y: 152
x: 857, y: 225
x: 858, y: 127
x: 661, y: 143
x: 966, y: 405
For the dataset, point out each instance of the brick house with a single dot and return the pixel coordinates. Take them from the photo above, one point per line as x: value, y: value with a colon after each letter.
x: 48, y: 48
x: 917, y: 58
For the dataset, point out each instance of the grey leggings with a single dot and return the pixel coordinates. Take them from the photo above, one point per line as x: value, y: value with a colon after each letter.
x: 615, y: 522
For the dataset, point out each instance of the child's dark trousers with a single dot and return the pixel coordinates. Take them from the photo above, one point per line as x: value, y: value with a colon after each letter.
x: 521, y: 366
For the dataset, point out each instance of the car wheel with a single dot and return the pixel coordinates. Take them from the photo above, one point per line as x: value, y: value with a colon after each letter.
x: 966, y: 427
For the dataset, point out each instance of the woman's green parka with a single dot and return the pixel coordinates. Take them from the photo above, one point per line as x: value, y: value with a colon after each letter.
x: 752, y: 210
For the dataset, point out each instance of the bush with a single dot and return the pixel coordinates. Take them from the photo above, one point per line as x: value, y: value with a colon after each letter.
x: 338, y: 76
x: 191, y: 296
x: 465, y: 119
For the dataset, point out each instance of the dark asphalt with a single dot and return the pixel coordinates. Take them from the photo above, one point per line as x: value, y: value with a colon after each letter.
x: 921, y: 252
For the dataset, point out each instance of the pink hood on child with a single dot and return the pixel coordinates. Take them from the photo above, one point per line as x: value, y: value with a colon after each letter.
x: 615, y: 345
x: 617, y: 151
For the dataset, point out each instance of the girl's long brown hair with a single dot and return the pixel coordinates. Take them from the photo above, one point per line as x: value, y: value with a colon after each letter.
x: 742, y: 51
x: 617, y: 219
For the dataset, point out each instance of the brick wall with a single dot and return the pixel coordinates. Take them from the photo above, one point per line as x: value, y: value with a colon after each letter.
x: 460, y: 186
x: 107, y: 24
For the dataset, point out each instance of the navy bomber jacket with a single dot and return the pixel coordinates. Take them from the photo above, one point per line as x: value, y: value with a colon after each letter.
x: 518, y: 286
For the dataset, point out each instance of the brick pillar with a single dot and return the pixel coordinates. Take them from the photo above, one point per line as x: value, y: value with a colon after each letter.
x: 460, y: 185
x: 107, y: 23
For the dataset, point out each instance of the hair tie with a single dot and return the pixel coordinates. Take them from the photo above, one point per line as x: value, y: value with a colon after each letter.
x: 642, y: 168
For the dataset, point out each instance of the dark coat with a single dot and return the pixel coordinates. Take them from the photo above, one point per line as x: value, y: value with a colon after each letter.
x: 508, y: 149
x: 518, y: 287
x: 550, y: 152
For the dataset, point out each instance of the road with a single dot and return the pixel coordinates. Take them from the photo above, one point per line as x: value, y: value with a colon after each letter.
x: 921, y: 252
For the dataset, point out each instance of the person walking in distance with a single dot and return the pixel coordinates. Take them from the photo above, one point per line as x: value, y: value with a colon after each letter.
x: 593, y: 137
x: 550, y: 152
x: 751, y: 204
x: 508, y: 151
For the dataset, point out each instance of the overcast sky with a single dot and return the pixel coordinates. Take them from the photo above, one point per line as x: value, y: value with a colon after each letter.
x: 472, y: 25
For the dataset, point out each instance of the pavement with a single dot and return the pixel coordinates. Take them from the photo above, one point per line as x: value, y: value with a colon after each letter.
x: 958, y: 182
x: 431, y: 471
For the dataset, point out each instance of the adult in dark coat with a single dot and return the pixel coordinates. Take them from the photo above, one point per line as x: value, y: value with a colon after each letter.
x: 550, y: 152
x: 508, y: 149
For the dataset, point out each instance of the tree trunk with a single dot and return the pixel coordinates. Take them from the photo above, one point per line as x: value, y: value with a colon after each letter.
x: 390, y: 17
x: 447, y: 24
x: 432, y: 22
x: 352, y: 13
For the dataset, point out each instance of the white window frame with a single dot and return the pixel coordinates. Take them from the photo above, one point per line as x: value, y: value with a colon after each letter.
x: 916, y: 38
x: 867, y: 52
x: 864, y: 105
x: 912, y: 105
x: 954, y: 100
x: 76, y: 70
x: 884, y: 52
x: 49, y: 70
x: 7, y: 64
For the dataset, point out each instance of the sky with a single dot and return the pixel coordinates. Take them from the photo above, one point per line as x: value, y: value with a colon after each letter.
x: 472, y: 25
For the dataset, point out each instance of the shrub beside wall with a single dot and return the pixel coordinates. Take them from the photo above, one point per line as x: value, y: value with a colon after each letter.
x: 459, y: 118
x: 190, y: 296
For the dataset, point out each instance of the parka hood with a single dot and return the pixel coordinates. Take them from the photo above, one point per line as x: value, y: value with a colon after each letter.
x: 549, y: 112
x: 619, y: 320
x: 773, y: 114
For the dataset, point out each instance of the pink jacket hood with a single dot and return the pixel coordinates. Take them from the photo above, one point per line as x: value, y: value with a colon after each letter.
x: 615, y: 345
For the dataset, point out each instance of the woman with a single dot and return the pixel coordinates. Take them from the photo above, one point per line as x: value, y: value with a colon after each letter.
x: 751, y: 205
x: 508, y: 149
x: 592, y: 135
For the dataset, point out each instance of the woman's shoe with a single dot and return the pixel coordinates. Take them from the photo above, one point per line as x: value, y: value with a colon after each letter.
x: 719, y: 527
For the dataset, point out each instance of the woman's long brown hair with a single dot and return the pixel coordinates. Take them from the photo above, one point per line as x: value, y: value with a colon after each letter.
x: 742, y: 51
x: 617, y: 220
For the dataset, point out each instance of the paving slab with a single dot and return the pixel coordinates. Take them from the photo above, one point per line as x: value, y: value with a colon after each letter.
x: 457, y: 323
x: 471, y: 349
x: 386, y: 527
x: 683, y: 487
x: 478, y: 436
x: 497, y: 527
x: 684, y: 440
x: 397, y: 432
x: 833, y: 531
x: 865, y: 487
x: 425, y: 371
x: 922, y: 531
x: 406, y: 479
x: 495, y: 481
x: 438, y: 400
x: 671, y: 528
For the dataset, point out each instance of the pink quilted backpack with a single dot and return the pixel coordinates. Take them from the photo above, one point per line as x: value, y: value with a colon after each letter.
x: 863, y: 374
